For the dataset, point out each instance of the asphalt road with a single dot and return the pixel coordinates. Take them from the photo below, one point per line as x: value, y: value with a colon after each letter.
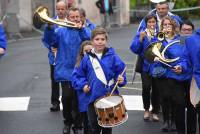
x: 25, y: 81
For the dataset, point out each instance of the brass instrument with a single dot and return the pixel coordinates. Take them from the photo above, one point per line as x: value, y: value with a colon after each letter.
x: 156, y: 52
x: 41, y: 16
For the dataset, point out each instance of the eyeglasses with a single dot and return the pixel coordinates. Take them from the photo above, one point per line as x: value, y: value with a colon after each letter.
x: 167, y: 25
x: 186, y: 29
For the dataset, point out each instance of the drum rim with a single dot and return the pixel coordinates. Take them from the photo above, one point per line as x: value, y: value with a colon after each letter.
x: 106, y: 97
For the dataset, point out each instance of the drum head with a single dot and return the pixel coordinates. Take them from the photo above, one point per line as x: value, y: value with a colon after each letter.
x: 109, y: 101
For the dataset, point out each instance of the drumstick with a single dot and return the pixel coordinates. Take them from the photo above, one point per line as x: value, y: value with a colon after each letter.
x: 117, y: 82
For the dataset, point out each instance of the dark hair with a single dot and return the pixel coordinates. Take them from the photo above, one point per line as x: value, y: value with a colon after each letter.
x: 81, y: 53
x: 82, y: 12
x: 99, y: 30
x: 150, y: 16
x: 187, y: 22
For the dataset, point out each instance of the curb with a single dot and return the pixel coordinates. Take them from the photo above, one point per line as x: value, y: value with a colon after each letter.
x: 23, y: 39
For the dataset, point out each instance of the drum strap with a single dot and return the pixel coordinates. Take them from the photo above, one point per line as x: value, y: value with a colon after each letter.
x: 99, y: 71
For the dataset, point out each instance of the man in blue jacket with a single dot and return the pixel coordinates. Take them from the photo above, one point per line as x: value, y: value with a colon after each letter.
x: 68, y: 41
x: 61, y: 15
x: 3, y: 42
x: 191, y: 59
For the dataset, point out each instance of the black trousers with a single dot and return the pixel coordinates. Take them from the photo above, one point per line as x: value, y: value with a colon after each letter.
x: 150, y: 94
x: 191, y: 121
x: 86, y: 125
x: 173, y: 101
x: 71, y: 112
x: 92, y: 116
x: 55, y: 90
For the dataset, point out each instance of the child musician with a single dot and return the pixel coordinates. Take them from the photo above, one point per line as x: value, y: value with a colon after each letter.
x: 97, y: 74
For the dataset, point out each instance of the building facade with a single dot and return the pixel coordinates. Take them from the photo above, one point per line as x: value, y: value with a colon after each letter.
x: 19, y: 12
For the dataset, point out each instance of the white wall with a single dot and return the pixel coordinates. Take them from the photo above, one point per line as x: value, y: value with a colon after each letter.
x: 25, y: 14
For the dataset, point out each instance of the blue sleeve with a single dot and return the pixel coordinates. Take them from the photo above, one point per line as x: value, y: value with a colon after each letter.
x: 118, y: 68
x: 185, y: 60
x: 85, y: 33
x: 3, y: 42
x: 50, y: 37
x: 79, y: 79
x: 141, y: 26
x: 136, y: 45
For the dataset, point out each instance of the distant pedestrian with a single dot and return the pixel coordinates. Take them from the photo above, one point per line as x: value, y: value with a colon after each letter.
x: 106, y: 10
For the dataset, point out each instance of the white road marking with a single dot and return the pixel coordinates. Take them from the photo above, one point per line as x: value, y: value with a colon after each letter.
x: 14, y: 103
x: 133, y: 102
x: 132, y: 88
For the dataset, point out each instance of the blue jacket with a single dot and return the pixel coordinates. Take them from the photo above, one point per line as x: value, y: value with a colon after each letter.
x: 176, y: 50
x: 139, y: 48
x: 142, y: 24
x: 3, y: 42
x: 90, y: 25
x: 191, y: 56
x: 48, y: 46
x: 158, y: 69
x: 112, y: 66
x: 67, y: 41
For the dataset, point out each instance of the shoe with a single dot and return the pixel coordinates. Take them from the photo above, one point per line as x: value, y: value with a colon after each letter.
x: 146, y: 115
x: 55, y: 108
x: 165, y: 127
x: 155, y: 118
x: 77, y: 130
x: 172, y: 127
x: 66, y: 129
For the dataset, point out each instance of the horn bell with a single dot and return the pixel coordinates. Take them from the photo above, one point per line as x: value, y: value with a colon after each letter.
x: 41, y: 16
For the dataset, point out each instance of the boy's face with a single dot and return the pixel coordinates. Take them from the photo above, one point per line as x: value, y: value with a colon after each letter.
x: 99, y: 43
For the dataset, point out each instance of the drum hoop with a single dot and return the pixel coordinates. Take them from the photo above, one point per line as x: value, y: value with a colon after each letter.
x: 114, y: 125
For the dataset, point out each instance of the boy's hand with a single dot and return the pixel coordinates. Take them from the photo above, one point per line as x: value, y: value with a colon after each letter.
x: 86, y: 89
x: 120, y: 79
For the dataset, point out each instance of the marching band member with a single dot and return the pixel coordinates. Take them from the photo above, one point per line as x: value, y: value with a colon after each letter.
x: 68, y: 41
x: 191, y: 59
x: 83, y: 96
x: 61, y: 15
x: 3, y: 41
x: 158, y: 72
x: 186, y: 29
x: 174, y: 83
x: 138, y: 46
x: 97, y: 74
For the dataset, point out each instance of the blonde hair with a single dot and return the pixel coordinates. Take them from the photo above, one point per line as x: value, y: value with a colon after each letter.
x: 172, y: 22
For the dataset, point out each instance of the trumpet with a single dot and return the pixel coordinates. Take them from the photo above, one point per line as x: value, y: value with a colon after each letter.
x: 41, y: 16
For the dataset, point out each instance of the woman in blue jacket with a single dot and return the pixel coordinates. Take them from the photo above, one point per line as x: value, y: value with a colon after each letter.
x: 139, y: 44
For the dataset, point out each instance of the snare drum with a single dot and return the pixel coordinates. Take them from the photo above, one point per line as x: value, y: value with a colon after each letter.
x: 111, y: 111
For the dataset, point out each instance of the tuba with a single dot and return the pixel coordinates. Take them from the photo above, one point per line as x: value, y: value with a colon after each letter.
x: 156, y: 52
x: 41, y: 16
